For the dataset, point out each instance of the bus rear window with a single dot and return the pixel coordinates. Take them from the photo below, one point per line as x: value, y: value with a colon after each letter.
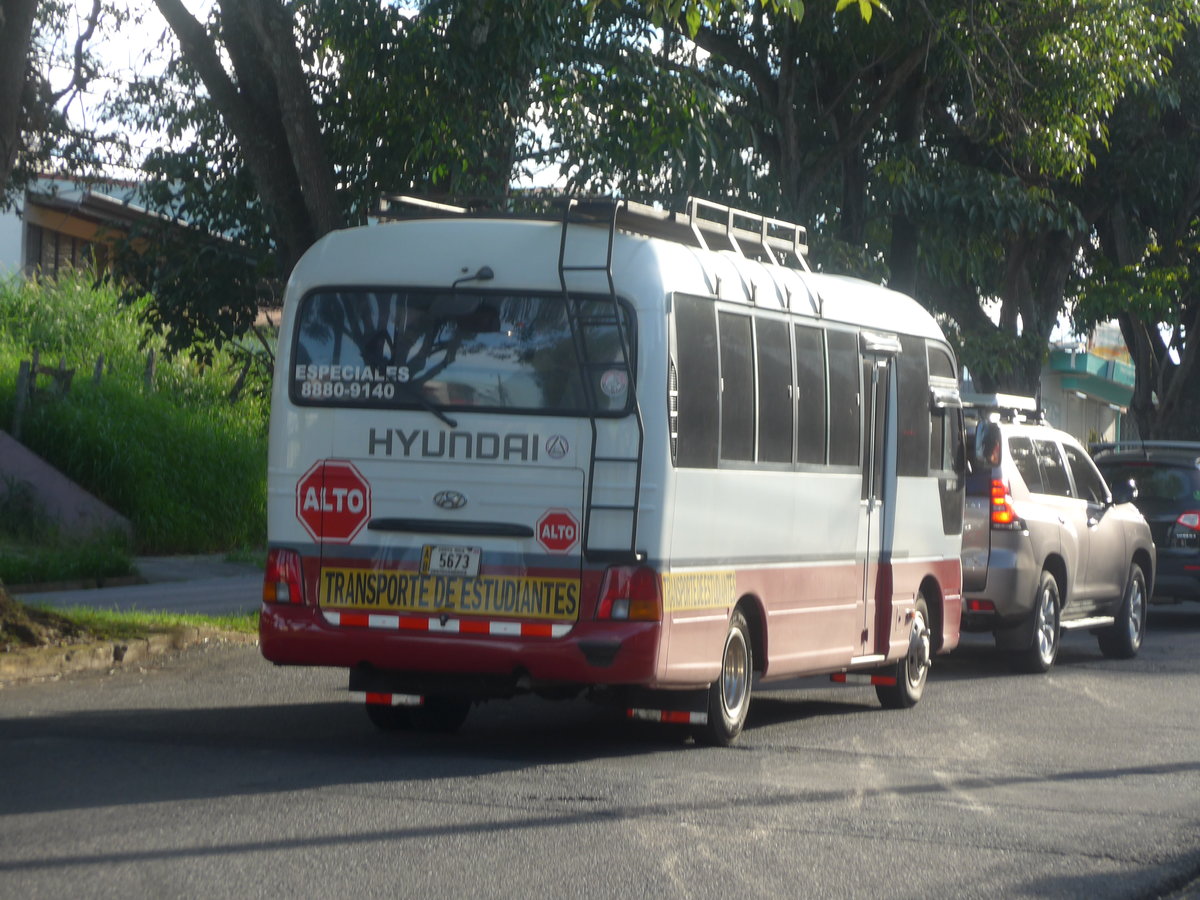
x: 398, y: 349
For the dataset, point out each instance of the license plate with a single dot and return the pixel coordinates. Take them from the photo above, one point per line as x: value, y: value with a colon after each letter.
x: 450, y: 561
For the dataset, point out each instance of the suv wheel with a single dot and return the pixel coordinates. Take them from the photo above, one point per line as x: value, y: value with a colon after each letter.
x: 1123, y: 639
x: 1039, y: 656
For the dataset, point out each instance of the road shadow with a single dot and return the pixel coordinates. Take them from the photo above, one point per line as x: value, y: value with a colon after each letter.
x: 1183, y: 618
x: 118, y: 756
x: 977, y: 656
x: 100, y: 760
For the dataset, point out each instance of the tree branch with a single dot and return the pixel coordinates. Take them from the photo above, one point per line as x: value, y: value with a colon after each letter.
x: 78, y: 78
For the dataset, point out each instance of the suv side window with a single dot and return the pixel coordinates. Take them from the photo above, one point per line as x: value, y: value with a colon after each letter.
x: 1021, y: 451
x: 1054, y: 470
x: 1088, y: 482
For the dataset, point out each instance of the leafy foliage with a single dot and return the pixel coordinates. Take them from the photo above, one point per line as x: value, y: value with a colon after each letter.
x: 182, y: 462
x: 946, y: 146
x: 60, y: 64
x: 956, y: 151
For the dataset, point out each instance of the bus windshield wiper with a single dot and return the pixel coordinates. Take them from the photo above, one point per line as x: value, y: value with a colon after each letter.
x: 425, y: 403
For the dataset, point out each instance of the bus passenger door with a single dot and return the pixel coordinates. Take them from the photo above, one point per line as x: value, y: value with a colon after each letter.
x: 877, y: 518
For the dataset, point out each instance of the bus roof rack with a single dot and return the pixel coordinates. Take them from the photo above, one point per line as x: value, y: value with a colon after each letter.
x: 703, y: 223
x: 1006, y: 407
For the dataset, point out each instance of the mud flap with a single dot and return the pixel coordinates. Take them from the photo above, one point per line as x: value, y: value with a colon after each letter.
x: 1015, y: 637
x: 687, y: 707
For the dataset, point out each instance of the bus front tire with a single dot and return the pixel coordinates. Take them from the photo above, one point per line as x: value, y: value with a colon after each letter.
x: 729, y: 695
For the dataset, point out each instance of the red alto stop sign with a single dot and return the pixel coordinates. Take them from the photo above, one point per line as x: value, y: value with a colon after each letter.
x: 557, y: 530
x: 333, y: 501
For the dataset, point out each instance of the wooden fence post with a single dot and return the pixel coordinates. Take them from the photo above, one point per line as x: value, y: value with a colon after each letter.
x: 23, y: 374
x: 64, y: 377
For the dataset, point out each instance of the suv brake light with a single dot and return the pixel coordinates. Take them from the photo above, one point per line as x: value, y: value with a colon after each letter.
x: 1003, y: 515
x: 282, y: 582
x: 630, y: 594
x: 1189, y: 520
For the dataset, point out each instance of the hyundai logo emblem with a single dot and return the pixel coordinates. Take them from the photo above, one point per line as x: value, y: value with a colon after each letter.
x: 449, y: 500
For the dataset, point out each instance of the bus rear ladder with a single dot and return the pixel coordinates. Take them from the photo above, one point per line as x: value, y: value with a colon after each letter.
x: 610, y: 449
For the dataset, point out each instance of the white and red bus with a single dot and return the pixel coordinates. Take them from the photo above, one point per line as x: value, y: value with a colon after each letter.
x: 645, y: 456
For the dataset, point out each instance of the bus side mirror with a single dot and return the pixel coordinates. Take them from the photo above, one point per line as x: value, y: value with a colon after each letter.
x: 989, y: 446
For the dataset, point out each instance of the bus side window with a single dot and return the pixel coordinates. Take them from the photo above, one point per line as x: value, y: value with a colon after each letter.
x: 810, y: 395
x: 845, y: 412
x: 699, y: 384
x: 775, y: 407
x: 737, y: 387
x: 912, y: 436
x: 947, y: 453
x: 940, y: 362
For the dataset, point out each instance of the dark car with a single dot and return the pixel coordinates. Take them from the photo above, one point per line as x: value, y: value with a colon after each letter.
x: 1047, y: 545
x: 1167, y: 475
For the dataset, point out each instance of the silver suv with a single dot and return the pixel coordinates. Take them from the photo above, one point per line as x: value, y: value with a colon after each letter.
x: 1046, y: 544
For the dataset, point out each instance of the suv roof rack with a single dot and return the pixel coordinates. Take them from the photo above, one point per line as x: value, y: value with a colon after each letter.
x: 1005, y: 407
x: 1183, y: 448
x: 702, y: 222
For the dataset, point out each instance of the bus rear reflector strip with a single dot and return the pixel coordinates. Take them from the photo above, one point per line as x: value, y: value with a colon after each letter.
x: 449, y: 626
x: 374, y: 698
x: 847, y: 678
x: 669, y: 716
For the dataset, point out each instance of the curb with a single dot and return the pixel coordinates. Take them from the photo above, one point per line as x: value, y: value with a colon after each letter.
x: 32, y: 663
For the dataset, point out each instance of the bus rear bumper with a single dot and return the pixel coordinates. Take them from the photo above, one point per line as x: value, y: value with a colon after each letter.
x: 590, y: 653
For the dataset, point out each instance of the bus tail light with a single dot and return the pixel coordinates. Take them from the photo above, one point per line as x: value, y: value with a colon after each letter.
x: 1004, y: 517
x: 631, y: 594
x: 282, y: 582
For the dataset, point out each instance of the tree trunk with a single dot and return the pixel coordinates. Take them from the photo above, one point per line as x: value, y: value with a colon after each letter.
x: 16, y: 30
x: 910, y: 126
x: 275, y: 33
x: 269, y: 111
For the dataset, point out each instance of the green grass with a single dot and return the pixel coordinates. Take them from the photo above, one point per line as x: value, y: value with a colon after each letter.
x: 251, y: 555
x: 124, y: 626
x: 181, y: 460
x: 28, y: 562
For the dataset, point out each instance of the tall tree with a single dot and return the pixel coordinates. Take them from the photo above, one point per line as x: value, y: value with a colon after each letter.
x: 266, y: 103
x: 287, y: 121
x: 937, y: 147
x: 1142, y: 263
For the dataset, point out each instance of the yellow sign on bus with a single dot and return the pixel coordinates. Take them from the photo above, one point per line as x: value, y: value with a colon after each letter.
x: 485, y: 595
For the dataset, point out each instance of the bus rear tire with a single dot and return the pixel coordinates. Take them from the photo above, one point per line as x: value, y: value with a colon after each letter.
x: 911, y: 672
x: 729, y: 695
x: 441, y: 714
x: 389, y: 718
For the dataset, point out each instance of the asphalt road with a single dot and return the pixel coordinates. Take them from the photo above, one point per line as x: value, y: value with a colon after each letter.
x: 214, y: 774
